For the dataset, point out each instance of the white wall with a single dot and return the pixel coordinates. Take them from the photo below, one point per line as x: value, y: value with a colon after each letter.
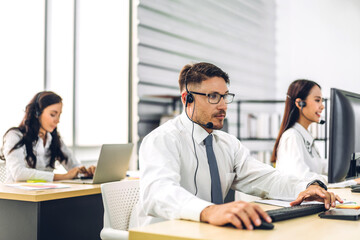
x: 237, y: 36
x: 318, y: 40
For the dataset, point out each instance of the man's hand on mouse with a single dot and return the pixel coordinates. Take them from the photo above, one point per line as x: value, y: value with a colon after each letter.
x: 236, y: 213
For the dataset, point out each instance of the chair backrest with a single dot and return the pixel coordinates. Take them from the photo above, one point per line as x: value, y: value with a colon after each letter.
x: 2, y: 171
x: 119, y: 198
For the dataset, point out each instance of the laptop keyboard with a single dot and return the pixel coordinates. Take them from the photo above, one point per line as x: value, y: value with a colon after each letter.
x: 87, y: 177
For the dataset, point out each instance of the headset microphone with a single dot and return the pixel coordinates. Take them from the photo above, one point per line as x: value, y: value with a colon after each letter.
x: 322, y: 122
x: 208, y: 125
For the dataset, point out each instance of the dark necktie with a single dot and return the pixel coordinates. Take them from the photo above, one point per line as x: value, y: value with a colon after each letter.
x: 216, y: 193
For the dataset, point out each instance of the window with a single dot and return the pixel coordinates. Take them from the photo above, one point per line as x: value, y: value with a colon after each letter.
x: 78, y: 49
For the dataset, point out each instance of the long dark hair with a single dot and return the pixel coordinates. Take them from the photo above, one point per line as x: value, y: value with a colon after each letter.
x: 30, y: 127
x: 298, y: 89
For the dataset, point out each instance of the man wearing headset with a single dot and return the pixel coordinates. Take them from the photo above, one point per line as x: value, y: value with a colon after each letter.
x: 187, y: 165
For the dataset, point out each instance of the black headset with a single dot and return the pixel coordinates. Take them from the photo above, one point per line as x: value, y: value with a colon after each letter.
x: 190, y: 99
x: 189, y: 96
x: 302, y: 104
x: 37, y: 106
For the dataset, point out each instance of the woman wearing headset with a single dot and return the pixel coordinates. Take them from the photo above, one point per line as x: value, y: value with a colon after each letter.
x: 31, y: 149
x: 295, y: 151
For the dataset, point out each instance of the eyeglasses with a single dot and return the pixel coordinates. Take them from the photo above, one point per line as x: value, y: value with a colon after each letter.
x: 214, y: 98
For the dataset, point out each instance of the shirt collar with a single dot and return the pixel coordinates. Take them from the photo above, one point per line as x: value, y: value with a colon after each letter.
x: 199, y: 132
x: 48, y: 140
x: 309, y: 140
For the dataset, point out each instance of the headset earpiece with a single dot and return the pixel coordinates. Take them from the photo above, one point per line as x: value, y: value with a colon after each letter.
x: 302, y: 104
x: 37, y: 106
x: 189, y: 98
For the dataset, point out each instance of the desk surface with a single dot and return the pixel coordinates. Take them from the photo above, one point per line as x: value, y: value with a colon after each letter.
x: 309, y: 227
x: 74, y: 190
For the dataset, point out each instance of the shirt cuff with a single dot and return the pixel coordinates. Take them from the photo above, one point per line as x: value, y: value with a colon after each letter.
x: 47, y: 176
x: 318, y: 182
x: 351, y: 182
x: 193, y: 209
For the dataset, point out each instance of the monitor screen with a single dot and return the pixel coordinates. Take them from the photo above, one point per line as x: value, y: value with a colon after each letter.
x: 344, y: 135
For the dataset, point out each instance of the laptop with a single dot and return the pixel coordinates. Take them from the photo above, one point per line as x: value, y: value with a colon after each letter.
x: 112, y: 164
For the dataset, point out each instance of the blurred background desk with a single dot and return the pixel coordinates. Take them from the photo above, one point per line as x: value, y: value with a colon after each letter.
x: 309, y: 227
x: 68, y: 213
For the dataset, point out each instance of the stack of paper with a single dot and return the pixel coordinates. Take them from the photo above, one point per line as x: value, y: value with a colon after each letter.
x: 37, y: 186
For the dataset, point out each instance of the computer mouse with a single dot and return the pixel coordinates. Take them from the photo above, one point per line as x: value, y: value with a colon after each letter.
x: 264, y: 225
x: 357, y: 190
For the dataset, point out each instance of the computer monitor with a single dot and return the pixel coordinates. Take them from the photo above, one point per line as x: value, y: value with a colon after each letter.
x: 344, y: 142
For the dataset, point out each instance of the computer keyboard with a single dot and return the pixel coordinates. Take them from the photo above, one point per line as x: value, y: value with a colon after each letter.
x: 295, y: 211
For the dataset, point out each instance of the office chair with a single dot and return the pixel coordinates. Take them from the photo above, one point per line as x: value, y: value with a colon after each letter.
x: 2, y: 171
x: 119, y: 198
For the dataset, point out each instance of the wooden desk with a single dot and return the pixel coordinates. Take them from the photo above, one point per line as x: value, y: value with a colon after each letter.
x: 309, y: 227
x: 70, y: 213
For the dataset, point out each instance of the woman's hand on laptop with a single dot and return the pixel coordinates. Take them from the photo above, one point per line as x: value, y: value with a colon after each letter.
x: 72, y: 173
x: 87, y: 172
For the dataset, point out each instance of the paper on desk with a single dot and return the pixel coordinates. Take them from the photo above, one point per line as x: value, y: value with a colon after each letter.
x: 37, y: 186
x: 342, y: 184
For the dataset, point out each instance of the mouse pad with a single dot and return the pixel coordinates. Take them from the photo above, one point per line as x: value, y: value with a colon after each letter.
x: 344, y: 214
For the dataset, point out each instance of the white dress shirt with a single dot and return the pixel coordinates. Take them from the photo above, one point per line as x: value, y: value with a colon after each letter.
x: 167, y: 170
x: 298, y: 155
x: 17, y: 168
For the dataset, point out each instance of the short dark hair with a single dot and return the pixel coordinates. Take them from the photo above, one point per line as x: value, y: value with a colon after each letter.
x: 198, y: 72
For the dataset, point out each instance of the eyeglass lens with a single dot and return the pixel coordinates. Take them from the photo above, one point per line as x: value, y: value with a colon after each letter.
x: 215, y: 98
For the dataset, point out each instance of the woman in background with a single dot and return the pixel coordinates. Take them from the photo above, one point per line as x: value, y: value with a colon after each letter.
x: 31, y: 149
x: 295, y: 151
